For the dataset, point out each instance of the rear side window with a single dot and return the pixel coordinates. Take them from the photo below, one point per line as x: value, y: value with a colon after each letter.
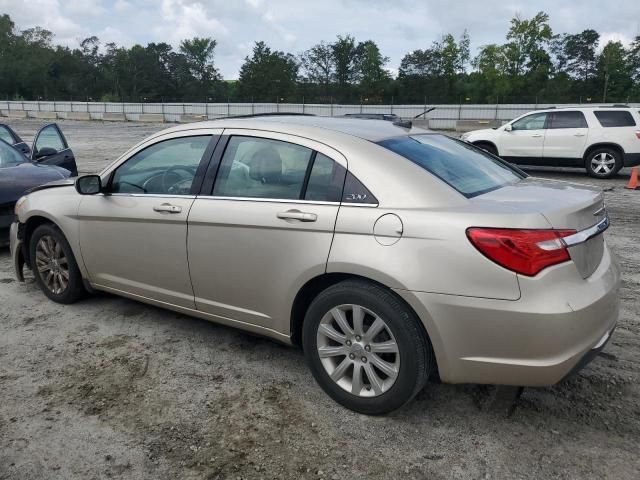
x: 262, y: 168
x: 615, y: 118
x: 465, y: 168
x: 325, y: 180
x: 567, y: 120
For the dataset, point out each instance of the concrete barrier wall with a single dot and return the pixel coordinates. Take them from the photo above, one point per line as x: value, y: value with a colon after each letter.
x: 15, y: 113
x: 45, y: 115
x: 151, y: 117
x: 443, y: 117
x: 114, y: 117
x: 470, y: 125
x: 78, y: 116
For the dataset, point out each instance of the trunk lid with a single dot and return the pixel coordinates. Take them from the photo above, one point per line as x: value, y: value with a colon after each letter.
x: 565, y: 206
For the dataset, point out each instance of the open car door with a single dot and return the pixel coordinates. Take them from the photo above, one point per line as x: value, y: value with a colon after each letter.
x: 51, y: 148
x: 8, y: 135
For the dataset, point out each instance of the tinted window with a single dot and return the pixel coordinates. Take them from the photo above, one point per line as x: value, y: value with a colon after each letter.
x: 9, y: 155
x: 49, y: 137
x: 613, y: 118
x: 530, y: 122
x: 567, y: 120
x: 465, y: 168
x: 167, y: 167
x: 6, y: 135
x: 262, y: 168
x: 325, y: 180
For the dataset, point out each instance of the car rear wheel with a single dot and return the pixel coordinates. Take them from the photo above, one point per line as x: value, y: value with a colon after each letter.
x: 365, y: 348
x: 54, y: 266
x: 603, y: 162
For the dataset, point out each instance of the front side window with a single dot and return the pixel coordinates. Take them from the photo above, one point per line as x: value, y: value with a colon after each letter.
x: 615, y: 118
x: 530, y: 122
x: 567, y: 120
x: 49, y: 137
x: 9, y: 156
x: 465, y: 168
x: 168, y: 167
x: 262, y: 168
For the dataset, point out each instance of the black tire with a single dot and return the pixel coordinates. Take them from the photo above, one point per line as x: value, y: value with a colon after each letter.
x: 414, y: 348
x: 599, y: 154
x: 74, y: 289
x: 487, y: 147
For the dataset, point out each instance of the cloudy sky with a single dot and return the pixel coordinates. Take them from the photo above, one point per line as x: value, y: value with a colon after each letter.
x: 294, y: 25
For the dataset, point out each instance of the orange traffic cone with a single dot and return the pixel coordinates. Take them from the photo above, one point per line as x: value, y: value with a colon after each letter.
x: 633, y: 180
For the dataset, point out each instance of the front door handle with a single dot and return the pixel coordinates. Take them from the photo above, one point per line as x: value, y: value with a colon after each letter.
x: 168, y: 208
x: 536, y: 135
x: 578, y: 134
x: 297, y: 215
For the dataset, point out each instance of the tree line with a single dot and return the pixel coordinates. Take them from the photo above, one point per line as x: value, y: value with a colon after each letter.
x: 534, y: 64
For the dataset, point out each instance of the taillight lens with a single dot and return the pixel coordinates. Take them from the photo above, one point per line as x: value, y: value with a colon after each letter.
x: 638, y: 134
x: 523, y: 251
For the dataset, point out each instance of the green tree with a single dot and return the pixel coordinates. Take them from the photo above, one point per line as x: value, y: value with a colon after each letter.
x: 268, y: 75
x: 371, y: 72
x: 318, y: 65
x: 614, y: 73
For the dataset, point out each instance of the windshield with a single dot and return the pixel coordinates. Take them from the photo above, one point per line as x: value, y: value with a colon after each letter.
x: 467, y: 169
x: 9, y: 156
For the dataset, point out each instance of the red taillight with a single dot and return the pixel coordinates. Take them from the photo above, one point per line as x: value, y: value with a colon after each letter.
x: 638, y: 134
x: 522, y: 251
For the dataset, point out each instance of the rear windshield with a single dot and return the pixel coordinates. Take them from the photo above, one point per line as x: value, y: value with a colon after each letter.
x: 612, y: 118
x: 464, y: 167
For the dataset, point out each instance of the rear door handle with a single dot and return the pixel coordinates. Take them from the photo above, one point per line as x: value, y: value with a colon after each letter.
x: 578, y: 134
x: 536, y: 135
x: 297, y: 215
x: 167, y: 207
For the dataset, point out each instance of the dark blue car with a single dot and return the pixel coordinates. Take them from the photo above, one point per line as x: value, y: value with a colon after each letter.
x: 23, y: 168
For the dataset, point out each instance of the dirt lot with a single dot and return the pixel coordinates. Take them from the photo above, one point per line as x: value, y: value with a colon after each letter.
x: 111, y: 388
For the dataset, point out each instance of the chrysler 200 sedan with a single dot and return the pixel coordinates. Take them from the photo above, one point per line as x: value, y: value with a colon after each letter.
x: 387, y: 253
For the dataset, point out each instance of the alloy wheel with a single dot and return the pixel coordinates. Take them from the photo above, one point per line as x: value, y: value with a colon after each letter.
x: 602, y: 163
x: 52, y: 264
x: 358, y: 350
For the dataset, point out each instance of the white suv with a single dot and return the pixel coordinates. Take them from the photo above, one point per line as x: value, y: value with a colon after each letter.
x: 601, y: 139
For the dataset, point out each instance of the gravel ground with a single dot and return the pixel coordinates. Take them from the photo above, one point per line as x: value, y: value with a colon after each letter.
x: 111, y: 388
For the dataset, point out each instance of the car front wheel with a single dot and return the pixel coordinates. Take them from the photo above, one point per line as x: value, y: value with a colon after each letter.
x: 603, y: 162
x: 54, y: 265
x: 365, y: 348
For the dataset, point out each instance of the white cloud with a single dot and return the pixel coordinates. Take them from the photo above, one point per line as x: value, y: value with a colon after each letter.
x: 182, y: 20
x: 122, y: 6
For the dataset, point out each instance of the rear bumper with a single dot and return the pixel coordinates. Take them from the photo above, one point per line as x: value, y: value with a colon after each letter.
x: 537, y: 340
x: 631, y: 159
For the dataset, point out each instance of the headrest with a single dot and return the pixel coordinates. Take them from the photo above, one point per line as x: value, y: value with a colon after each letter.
x: 266, y: 165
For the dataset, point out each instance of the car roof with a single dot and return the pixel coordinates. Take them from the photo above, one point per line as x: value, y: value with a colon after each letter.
x: 304, y: 125
x: 586, y: 107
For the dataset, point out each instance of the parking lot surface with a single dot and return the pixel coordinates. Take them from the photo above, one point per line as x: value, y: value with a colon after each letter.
x: 112, y: 388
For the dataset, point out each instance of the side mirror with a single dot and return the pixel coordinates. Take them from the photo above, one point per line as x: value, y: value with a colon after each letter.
x: 508, y: 127
x: 89, y: 185
x: 44, y: 152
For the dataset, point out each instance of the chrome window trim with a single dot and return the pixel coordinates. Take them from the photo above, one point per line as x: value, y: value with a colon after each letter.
x: 283, y: 200
x: 146, y: 195
x: 586, y: 234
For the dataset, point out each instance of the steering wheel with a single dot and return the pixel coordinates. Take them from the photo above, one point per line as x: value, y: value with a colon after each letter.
x: 172, y: 171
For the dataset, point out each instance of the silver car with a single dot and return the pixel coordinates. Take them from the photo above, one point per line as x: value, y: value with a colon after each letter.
x: 387, y: 253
